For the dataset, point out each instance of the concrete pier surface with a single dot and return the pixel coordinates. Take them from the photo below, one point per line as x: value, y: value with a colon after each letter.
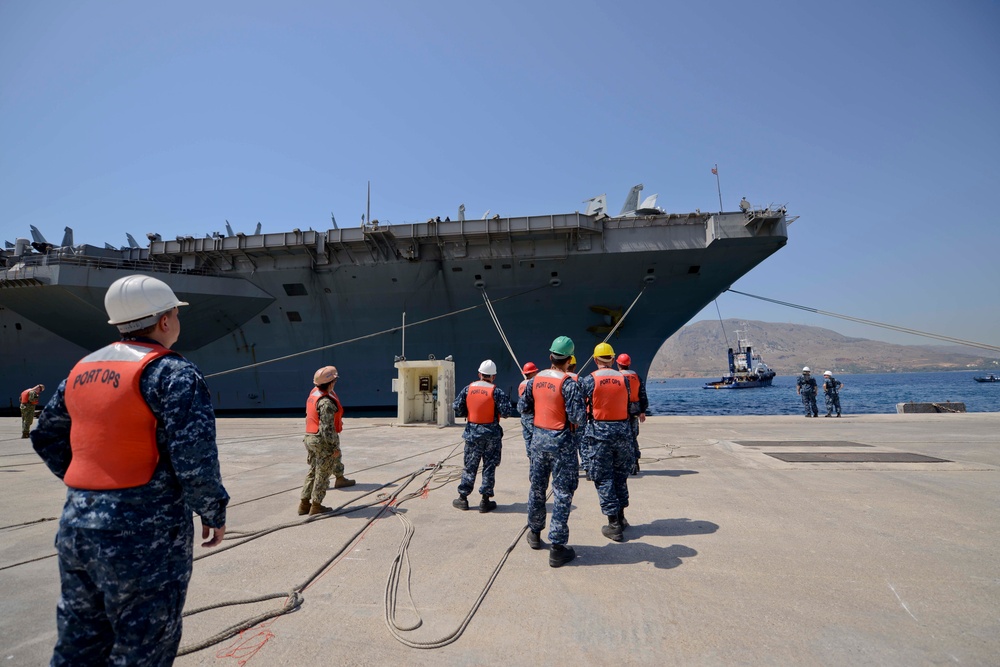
x: 733, y: 556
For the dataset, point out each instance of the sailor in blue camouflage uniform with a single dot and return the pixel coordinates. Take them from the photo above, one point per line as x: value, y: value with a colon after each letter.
x: 484, y: 404
x: 608, y: 438
x: 554, y: 398
x: 831, y: 392
x: 125, y: 550
x: 529, y: 370
x: 805, y: 386
x: 638, y: 404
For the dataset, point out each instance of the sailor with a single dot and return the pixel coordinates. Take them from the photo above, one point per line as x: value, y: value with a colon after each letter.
x: 324, y: 423
x: 484, y: 404
x: 29, y: 401
x: 745, y: 205
x: 578, y: 432
x: 529, y: 371
x: 638, y: 403
x: 831, y: 391
x: 132, y: 434
x: 608, y: 438
x: 554, y: 398
x: 805, y: 386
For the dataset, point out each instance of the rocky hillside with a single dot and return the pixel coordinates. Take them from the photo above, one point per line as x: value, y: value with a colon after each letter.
x: 699, y: 350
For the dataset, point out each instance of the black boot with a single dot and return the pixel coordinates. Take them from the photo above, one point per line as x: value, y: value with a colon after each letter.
x: 560, y: 554
x: 612, y: 531
x: 486, y: 505
x: 461, y: 503
x: 621, y: 519
x: 534, y: 539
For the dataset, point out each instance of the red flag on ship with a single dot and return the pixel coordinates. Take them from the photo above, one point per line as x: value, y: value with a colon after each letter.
x: 715, y: 171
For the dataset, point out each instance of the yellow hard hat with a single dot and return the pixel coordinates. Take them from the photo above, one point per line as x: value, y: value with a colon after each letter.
x: 604, y: 350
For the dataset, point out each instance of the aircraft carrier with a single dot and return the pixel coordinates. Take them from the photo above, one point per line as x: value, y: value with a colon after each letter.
x: 362, y: 297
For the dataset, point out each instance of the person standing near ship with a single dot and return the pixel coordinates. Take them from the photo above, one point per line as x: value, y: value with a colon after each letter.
x: 578, y: 432
x: 131, y: 432
x: 831, y: 391
x: 29, y: 400
x: 805, y: 387
x: 324, y: 423
x: 608, y: 438
x: 483, y: 403
x: 529, y: 371
x: 554, y: 398
x: 638, y: 403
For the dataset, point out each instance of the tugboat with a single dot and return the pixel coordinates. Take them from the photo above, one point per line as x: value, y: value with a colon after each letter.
x: 746, y: 369
x: 989, y: 378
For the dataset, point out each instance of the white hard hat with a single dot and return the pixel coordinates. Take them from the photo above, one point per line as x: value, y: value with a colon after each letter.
x: 134, y: 302
x: 488, y: 368
x: 827, y: 373
x: 805, y: 369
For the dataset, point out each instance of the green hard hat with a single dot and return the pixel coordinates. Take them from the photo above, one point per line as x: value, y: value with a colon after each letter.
x: 562, y: 346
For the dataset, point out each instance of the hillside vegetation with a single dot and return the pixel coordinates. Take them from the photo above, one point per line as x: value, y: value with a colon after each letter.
x: 699, y: 350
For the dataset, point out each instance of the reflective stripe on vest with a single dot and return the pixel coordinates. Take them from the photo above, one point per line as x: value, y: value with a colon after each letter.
x: 479, y: 401
x: 550, y: 406
x: 312, y: 411
x: 610, y: 400
x: 112, y: 430
x: 25, y: 400
x: 633, y: 386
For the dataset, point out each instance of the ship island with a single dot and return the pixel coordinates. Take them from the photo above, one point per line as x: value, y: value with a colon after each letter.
x: 267, y: 309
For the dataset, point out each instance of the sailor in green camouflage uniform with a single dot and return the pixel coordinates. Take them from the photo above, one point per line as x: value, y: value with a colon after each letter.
x: 125, y: 552
x: 324, y: 422
x: 29, y: 399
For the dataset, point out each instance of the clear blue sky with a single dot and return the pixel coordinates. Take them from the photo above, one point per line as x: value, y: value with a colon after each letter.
x: 876, y: 122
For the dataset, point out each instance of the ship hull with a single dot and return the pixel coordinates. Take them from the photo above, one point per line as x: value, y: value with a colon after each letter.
x: 258, y: 332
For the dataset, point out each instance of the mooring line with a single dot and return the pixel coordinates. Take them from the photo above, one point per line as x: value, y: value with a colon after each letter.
x: 893, y: 327
x: 371, y: 335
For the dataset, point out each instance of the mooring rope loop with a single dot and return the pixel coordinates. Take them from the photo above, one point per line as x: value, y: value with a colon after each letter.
x: 295, y: 598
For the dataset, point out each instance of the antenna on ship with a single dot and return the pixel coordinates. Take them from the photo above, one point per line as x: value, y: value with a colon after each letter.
x: 369, y: 209
x: 718, y: 185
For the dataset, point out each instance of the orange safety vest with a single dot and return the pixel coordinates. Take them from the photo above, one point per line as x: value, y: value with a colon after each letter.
x: 610, y: 400
x: 479, y: 401
x: 550, y: 406
x: 521, y: 387
x: 111, y: 453
x: 312, y: 411
x: 633, y: 385
x: 25, y: 400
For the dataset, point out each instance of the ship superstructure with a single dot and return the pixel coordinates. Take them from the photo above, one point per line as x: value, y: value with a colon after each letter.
x: 282, y: 296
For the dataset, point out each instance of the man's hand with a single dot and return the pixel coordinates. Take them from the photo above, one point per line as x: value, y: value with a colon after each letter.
x: 217, y: 535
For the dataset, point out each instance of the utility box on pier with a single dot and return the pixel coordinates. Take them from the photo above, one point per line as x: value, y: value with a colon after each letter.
x: 425, y: 391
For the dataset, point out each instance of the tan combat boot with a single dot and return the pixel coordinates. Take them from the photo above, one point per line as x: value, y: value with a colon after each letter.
x: 342, y: 481
x: 304, y: 507
x: 316, y: 508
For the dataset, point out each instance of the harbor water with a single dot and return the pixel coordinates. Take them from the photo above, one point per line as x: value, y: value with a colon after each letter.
x: 876, y: 393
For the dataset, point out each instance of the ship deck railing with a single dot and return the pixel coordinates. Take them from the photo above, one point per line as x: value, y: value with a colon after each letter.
x: 27, y: 266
